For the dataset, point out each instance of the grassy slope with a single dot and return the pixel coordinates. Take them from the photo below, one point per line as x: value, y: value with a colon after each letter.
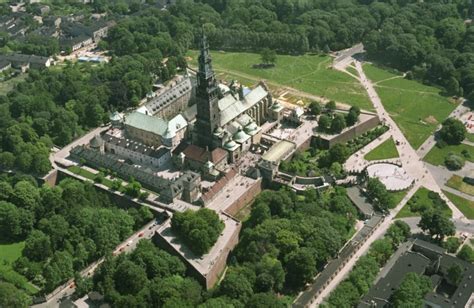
x: 9, y: 253
x: 7, y: 86
x: 464, y: 205
x: 436, y: 156
x: 420, y: 197
x: 308, y: 73
x: 417, y: 109
x: 385, y: 150
x: 457, y: 183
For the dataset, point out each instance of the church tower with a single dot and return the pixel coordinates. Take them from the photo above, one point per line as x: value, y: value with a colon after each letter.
x: 207, y: 98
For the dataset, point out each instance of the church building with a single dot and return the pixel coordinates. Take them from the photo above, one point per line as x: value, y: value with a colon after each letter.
x: 227, y: 117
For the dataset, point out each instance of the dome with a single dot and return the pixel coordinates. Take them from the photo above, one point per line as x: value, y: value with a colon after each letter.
x: 240, y: 135
x: 251, y: 127
x: 230, y: 144
x: 96, y: 142
x: 218, y: 131
x: 276, y: 106
x: 115, y: 116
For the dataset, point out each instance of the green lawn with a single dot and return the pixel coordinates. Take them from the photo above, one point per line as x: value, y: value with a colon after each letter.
x: 437, y: 155
x: 89, y: 175
x: 352, y: 70
x: 418, y: 201
x: 464, y: 205
x: 416, y: 108
x: 9, y: 253
x: 7, y: 86
x: 377, y: 74
x: 308, y: 73
x: 470, y: 137
x: 457, y: 183
x: 385, y: 150
x: 397, y: 196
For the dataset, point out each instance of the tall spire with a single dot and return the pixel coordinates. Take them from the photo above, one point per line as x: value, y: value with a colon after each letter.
x: 207, y: 98
x: 205, y: 65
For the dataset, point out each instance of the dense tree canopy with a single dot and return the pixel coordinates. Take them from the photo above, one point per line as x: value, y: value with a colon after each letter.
x: 64, y: 228
x: 453, y: 131
x: 199, y: 229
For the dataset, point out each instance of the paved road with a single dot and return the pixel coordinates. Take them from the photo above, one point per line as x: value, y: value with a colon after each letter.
x: 125, y: 247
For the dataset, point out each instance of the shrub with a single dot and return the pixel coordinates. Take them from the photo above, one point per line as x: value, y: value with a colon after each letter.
x: 454, y: 162
x: 452, y: 244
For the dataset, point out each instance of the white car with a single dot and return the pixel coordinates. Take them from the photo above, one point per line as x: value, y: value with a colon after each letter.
x: 129, y: 243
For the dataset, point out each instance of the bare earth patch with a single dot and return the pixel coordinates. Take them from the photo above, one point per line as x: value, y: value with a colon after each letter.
x: 431, y: 120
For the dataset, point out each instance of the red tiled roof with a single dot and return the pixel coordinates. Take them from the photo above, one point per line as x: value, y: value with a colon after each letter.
x: 201, y: 155
x: 209, y: 195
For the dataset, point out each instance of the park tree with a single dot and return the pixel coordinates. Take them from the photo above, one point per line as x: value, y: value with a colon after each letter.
x: 452, y: 244
x: 352, y: 116
x: 236, y: 286
x: 437, y: 224
x: 37, y: 246
x: 331, y: 106
x: 264, y: 300
x: 466, y: 253
x: 338, y: 123
x: 398, y: 232
x: 338, y: 153
x: 324, y: 123
x: 454, y: 162
x: 314, y: 108
x: 129, y: 278
x: 381, y: 250
x: 198, y: 229
x: 10, y: 296
x: 453, y: 131
x: 10, y: 221
x: 267, y: 56
x: 411, y: 291
x: 377, y: 193
x: 300, y: 268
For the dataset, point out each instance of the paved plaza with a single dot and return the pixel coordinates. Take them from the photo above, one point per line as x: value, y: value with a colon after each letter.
x: 392, y: 176
x: 468, y: 120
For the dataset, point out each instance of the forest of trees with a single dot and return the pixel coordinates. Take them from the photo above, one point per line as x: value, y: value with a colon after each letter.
x: 285, y: 241
x: 64, y: 228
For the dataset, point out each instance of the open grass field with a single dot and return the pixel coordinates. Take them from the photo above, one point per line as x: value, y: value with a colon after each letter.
x: 11, y: 252
x: 464, y: 205
x: 416, y: 108
x: 436, y: 156
x: 470, y: 137
x: 7, y: 86
x: 307, y: 73
x: 457, y: 183
x: 384, y: 151
x: 377, y: 74
x: 418, y: 200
